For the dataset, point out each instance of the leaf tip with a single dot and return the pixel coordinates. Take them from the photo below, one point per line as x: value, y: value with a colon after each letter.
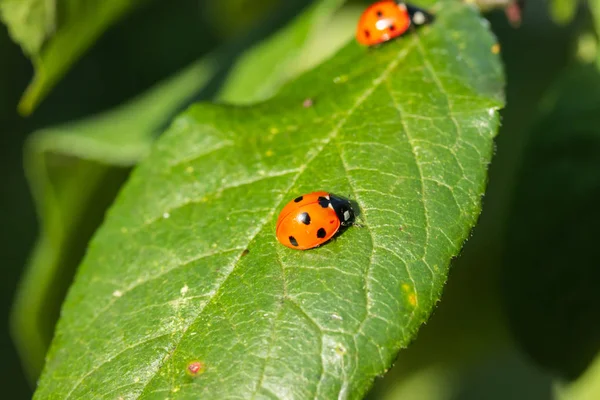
x: 31, y: 97
x: 37, y: 89
x: 25, y: 106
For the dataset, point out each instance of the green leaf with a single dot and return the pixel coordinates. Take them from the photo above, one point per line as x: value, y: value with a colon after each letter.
x: 187, y: 268
x: 585, y: 387
x: 563, y: 11
x: 278, y: 57
x: 55, y: 34
x: 30, y: 22
x: 75, y: 171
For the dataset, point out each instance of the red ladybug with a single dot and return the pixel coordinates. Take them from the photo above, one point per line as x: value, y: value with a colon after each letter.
x: 310, y: 220
x: 385, y: 20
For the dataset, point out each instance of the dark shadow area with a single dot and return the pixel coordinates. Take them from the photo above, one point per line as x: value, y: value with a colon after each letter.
x: 143, y: 48
x: 504, y: 378
x: 551, y: 275
x: 18, y: 225
x: 146, y: 47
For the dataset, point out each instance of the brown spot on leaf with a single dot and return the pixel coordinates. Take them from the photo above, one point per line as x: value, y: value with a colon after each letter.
x: 195, y: 368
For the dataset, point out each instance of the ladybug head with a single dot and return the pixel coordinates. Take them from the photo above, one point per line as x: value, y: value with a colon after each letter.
x: 346, y: 214
x: 343, y: 209
x: 418, y: 16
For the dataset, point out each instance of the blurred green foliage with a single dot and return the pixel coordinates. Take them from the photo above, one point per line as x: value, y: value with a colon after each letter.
x: 517, y: 319
x: 563, y: 11
x: 55, y: 34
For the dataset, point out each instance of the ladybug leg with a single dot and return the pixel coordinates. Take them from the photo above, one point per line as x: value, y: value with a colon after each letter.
x: 352, y: 223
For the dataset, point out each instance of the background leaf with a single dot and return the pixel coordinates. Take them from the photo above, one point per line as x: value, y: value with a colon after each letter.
x: 31, y: 22
x: 56, y: 33
x: 405, y: 130
x: 262, y: 70
x: 563, y: 11
x: 553, y: 300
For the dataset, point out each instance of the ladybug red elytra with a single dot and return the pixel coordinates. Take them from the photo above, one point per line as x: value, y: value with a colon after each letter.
x: 388, y: 19
x: 310, y: 220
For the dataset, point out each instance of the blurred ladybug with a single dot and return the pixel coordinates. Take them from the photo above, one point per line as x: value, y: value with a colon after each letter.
x: 388, y: 19
x: 514, y: 12
x: 310, y: 220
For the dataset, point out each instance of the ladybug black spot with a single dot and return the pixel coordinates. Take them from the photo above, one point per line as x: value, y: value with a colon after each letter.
x: 321, y: 233
x: 304, y: 218
x: 367, y: 33
x: 323, y: 201
x: 298, y: 199
x: 379, y: 13
x: 293, y: 241
x: 392, y: 28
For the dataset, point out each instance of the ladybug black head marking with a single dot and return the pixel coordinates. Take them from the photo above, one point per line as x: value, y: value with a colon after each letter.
x: 343, y: 209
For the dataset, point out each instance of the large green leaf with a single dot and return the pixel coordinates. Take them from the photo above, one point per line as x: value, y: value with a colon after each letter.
x: 186, y: 266
x: 56, y: 33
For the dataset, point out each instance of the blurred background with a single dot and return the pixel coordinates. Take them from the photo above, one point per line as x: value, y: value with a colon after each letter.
x: 520, y: 317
